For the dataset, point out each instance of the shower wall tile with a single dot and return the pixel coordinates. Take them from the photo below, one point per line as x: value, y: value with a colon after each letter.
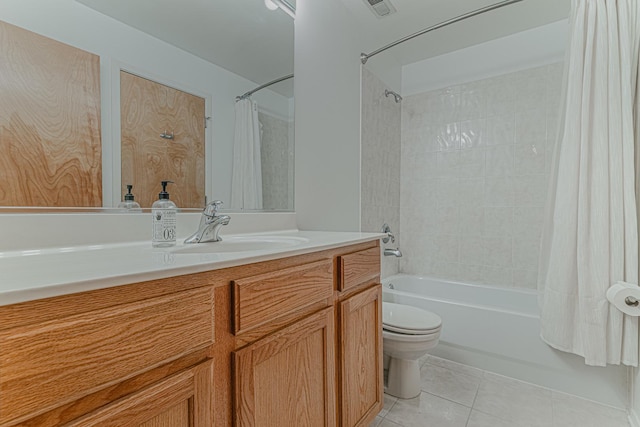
x: 497, y: 276
x: 499, y: 191
x: 472, y: 102
x: 475, y: 161
x: 277, y: 162
x: 381, y: 160
x: 471, y: 134
x: 449, y: 163
x: 448, y: 137
x: 529, y: 159
x: 525, y: 279
x: 531, y: 126
x: 471, y: 251
x: 525, y: 252
x: 531, y: 90
x: 500, y: 129
x: 472, y: 221
x: 471, y: 163
x: 499, y: 160
x: 498, y: 221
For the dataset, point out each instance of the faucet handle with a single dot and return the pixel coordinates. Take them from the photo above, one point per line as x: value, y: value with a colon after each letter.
x: 212, y: 207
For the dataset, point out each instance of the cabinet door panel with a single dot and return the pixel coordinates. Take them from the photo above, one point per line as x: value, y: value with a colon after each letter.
x: 184, y: 399
x: 288, y: 378
x: 361, y: 357
x: 45, y: 365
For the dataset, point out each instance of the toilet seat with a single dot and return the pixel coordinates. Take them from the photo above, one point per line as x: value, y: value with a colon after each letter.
x: 404, y: 319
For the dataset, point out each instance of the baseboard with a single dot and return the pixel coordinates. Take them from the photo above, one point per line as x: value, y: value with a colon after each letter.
x: 634, y: 419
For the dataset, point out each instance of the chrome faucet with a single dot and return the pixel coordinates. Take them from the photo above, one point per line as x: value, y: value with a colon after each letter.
x: 210, y: 224
x: 392, y: 252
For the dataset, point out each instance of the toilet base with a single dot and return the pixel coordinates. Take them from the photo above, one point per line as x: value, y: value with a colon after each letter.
x: 404, y: 378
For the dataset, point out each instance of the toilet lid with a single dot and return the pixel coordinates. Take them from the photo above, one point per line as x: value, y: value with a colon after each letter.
x: 407, y: 319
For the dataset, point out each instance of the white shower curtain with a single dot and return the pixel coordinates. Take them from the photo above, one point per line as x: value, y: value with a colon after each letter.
x: 590, y: 239
x: 246, y: 178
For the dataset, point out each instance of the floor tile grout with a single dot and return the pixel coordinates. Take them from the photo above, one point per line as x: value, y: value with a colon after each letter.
x: 554, y: 397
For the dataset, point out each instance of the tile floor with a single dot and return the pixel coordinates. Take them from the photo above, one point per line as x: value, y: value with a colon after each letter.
x: 455, y: 395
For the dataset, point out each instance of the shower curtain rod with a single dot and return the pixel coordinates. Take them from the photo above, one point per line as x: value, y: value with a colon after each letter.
x: 251, y: 92
x: 365, y: 56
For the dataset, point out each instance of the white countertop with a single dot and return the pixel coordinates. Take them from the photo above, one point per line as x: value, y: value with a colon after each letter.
x: 34, y: 274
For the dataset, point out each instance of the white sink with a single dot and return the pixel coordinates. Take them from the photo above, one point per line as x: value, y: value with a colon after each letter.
x: 242, y: 244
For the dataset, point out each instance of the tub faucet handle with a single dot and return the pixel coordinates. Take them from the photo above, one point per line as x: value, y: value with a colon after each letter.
x: 386, y: 229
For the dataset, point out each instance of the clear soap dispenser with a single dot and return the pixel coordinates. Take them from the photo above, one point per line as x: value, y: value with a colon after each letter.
x: 163, y: 214
x: 129, y: 204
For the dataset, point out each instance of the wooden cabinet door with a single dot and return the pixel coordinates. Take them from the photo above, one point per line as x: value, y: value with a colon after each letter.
x: 288, y: 377
x: 361, y: 381
x: 181, y: 400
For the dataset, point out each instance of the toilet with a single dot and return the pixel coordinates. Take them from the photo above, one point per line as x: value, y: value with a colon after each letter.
x: 408, y: 333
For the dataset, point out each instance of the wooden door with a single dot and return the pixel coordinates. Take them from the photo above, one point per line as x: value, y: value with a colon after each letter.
x: 288, y: 377
x: 361, y: 381
x: 181, y: 400
x: 49, y: 122
x: 149, y: 109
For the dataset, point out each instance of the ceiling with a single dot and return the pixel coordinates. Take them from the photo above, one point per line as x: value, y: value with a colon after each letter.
x: 415, y: 15
x: 245, y: 38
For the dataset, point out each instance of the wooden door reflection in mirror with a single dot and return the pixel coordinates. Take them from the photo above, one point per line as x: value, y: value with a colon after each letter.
x: 49, y: 122
x: 163, y: 134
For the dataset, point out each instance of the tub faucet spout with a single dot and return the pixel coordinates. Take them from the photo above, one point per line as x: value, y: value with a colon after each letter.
x: 392, y: 252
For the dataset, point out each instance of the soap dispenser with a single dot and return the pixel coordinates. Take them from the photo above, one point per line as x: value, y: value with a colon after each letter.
x: 129, y: 204
x: 163, y: 214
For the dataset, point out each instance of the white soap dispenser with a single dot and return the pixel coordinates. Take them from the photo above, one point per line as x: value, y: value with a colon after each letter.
x: 129, y: 204
x: 163, y: 217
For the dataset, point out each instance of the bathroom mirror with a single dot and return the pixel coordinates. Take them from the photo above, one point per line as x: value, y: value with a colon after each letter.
x: 217, y: 49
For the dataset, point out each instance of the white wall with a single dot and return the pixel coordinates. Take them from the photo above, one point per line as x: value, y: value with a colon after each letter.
x: 84, y: 28
x: 327, y: 113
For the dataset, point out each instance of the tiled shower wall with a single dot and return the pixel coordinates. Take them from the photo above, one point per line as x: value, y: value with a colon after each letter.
x: 475, y: 161
x: 380, y: 187
x: 277, y: 163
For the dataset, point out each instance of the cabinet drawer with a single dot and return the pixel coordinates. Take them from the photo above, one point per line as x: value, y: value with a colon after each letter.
x: 184, y: 399
x: 257, y: 300
x: 48, y: 364
x: 359, y: 267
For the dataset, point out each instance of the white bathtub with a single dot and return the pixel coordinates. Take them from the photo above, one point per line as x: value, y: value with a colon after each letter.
x: 497, y: 329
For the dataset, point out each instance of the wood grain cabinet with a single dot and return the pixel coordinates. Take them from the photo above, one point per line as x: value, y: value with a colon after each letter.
x: 288, y: 377
x: 323, y: 368
x: 181, y: 400
x: 118, y: 356
x: 360, y: 338
x: 294, y: 341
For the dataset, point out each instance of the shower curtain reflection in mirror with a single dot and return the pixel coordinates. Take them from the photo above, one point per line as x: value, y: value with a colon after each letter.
x: 246, y: 179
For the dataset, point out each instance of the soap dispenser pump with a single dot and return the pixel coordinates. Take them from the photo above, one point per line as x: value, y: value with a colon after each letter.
x: 129, y: 204
x: 163, y: 214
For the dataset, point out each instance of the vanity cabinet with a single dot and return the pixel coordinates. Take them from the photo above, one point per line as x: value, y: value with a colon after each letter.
x: 360, y: 337
x: 289, y: 341
x: 108, y: 355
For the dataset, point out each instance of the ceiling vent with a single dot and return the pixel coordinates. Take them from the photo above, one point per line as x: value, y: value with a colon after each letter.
x: 380, y: 8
